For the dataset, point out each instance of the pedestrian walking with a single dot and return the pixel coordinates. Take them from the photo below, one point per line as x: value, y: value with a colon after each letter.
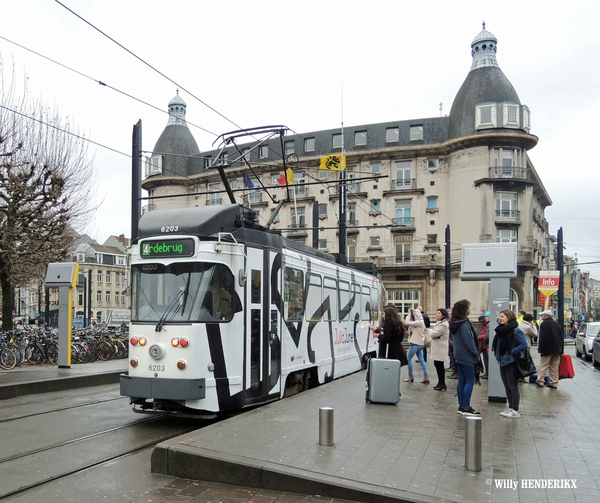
x: 551, y: 344
x: 509, y: 341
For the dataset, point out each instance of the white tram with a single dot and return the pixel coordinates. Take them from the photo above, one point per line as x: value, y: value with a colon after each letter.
x: 227, y: 315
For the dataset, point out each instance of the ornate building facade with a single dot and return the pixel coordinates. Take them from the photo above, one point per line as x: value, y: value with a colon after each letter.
x: 407, y: 182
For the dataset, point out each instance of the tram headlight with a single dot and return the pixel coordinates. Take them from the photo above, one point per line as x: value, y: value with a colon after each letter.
x: 133, y: 341
x: 211, y: 367
x: 181, y: 365
x: 184, y: 343
x: 143, y: 341
x: 156, y: 351
x: 174, y: 342
x: 133, y: 362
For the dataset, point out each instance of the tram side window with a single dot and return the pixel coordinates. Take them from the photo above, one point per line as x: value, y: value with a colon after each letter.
x: 374, y: 304
x: 314, y: 299
x: 255, y: 287
x: 293, y: 298
x: 355, y: 315
x: 366, y: 297
x: 330, y: 292
x: 344, y: 300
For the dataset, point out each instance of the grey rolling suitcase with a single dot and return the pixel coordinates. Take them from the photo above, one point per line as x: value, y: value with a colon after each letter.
x: 383, y: 381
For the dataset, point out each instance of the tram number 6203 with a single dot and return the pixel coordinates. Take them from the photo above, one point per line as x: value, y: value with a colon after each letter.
x: 156, y: 368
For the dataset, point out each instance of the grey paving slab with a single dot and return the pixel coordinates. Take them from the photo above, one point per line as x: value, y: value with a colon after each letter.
x: 415, y: 451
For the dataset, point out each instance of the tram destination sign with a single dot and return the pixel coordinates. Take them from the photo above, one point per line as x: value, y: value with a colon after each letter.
x: 167, y: 248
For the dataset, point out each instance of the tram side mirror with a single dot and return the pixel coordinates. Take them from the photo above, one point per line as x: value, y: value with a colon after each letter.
x: 242, y: 278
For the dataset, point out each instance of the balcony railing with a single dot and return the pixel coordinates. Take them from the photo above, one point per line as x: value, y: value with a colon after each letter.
x: 405, y: 184
x: 508, y: 216
x: 403, y: 222
x: 300, y: 225
x: 512, y: 172
x: 211, y: 201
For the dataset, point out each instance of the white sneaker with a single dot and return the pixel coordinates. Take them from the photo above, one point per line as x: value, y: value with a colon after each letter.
x: 506, y: 413
x: 513, y: 413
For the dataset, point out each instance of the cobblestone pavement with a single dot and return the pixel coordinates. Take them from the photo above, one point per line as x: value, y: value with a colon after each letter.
x: 184, y: 491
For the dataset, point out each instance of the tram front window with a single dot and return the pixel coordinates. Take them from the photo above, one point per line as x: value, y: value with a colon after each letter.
x: 182, y: 292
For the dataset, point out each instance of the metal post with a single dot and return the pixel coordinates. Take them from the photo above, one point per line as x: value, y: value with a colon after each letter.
x: 326, y: 426
x: 473, y: 443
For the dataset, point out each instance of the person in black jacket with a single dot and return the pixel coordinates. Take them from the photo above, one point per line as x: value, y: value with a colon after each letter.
x: 391, y: 336
x: 551, y: 344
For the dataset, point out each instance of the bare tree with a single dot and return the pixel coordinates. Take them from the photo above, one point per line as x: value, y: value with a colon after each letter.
x: 46, y: 177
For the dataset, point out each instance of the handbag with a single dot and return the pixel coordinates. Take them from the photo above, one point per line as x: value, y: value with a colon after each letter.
x: 525, y: 364
x: 427, y: 338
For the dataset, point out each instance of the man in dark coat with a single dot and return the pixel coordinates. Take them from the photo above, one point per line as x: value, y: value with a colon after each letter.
x: 551, y: 344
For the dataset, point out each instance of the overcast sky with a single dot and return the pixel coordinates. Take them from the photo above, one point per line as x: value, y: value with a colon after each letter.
x: 275, y: 62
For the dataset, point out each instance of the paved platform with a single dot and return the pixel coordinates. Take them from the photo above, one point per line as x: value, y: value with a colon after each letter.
x: 410, y: 452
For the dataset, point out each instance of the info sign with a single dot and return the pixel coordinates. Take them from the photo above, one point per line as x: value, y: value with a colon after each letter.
x: 549, y: 282
x: 167, y: 248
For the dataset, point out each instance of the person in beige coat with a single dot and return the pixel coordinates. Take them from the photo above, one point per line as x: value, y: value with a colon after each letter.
x: 416, y: 329
x: 439, y: 346
x: 528, y: 329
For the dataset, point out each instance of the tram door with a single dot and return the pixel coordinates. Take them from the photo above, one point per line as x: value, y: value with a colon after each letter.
x: 263, y: 346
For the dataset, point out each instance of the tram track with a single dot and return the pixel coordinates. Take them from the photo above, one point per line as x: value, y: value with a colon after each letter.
x: 98, y: 463
x: 95, y: 402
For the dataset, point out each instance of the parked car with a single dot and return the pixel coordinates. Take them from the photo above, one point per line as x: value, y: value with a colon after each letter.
x: 596, y: 351
x: 584, y: 340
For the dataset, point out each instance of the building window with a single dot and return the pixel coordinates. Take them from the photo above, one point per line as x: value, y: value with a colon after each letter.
x: 375, y: 167
x: 276, y: 217
x: 352, y: 221
x: 526, y: 118
x: 108, y: 276
x: 289, y: 147
x: 233, y: 184
x: 360, y: 138
x: 336, y: 140
x: 504, y: 161
x: 215, y: 194
x: 322, y: 211
x: 506, y: 205
x: 403, y: 248
x: 403, y: 213
x: 107, y: 298
x: 351, y: 249
x: 245, y: 155
x: 511, y: 115
x: 299, y: 187
x: 299, y: 217
x: 263, y: 152
x: 392, y: 134
x: 375, y: 242
x: 506, y: 235
x: 322, y: 244
x: 432, y: 202
x: 99, y: 296
x: 485, y: 116
x: 309, y: 144
x: 433, y: 164
x: 254, y: 195
x: 403, y: 174
x: 80, y: 298
x: 99, y: 277
x: 122, y: 300
x: 323, y: 175
x: 404, y: 299
x: 375, y: 206
x: 416, y: 133
x: 431, y: 239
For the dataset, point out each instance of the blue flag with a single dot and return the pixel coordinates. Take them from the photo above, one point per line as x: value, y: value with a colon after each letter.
x: 247, y: 182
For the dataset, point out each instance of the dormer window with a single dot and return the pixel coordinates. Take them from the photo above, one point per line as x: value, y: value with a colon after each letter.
x: 511, y: 115
x: 485, y: 116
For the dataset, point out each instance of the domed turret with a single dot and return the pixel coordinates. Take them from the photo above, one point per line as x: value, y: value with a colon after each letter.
x: 486, y: 92
x: 176, y: 139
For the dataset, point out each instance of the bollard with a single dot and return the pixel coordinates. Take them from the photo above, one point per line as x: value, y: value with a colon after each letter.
x: 326, y: 426
x: 473, y: 443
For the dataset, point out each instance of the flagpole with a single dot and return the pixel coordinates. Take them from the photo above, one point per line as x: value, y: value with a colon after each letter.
x: 342, y: 239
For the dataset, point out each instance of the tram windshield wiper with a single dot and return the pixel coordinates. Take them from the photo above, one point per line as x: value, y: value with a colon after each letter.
x: 168, y: 311
x: 186, y: 292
